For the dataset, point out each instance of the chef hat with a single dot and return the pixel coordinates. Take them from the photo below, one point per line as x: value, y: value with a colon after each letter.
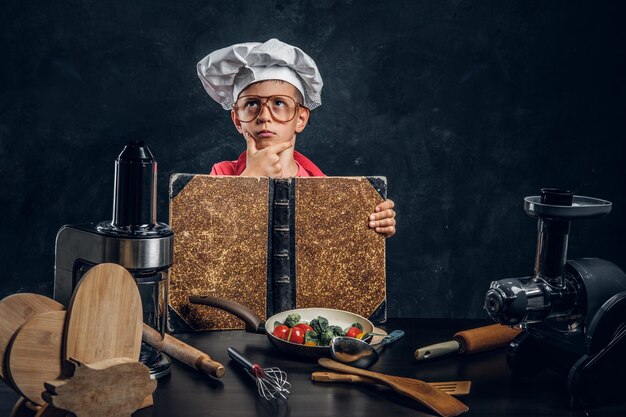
x: 226, y: 72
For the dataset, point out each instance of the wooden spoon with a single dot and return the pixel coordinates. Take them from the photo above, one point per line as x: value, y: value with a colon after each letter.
x: 105, y: 318
x: 17, y: 309
x: 34, y: 355
x: 449, y: 387
x: 440, y: 402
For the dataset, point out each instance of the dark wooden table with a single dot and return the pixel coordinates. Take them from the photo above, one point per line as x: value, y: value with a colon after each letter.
x: 188, y: 393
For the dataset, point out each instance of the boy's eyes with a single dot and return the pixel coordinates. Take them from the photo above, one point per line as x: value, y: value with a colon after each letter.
x: 273, y: 101
x: 252, y: 103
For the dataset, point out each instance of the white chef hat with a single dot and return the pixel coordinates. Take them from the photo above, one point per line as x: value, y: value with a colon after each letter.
x: 226, y: 72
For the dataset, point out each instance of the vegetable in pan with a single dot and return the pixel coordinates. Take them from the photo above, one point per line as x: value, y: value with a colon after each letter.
x: 292, y: 320
x: 316, y: 333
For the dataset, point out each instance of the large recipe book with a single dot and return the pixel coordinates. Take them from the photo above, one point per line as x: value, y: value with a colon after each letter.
x: 274, y: 245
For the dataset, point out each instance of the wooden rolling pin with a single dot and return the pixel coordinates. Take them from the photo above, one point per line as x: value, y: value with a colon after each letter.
x: 180, y: 350
x: 470, y: 341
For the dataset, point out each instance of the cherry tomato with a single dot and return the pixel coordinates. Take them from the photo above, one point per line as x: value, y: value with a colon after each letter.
x: 305, y: 327
x: 295, y: 335
x: 353, y: 331
x: 281, y: 332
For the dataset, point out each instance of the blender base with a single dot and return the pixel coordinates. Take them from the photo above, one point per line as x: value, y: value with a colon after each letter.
x: 162, y: 367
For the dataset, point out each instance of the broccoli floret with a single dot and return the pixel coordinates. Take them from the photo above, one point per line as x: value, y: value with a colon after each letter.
x: 292, y: 319
x: 337, y: 331
x: 319, y: 324
x: 311, y: 336
x: 326, y: 337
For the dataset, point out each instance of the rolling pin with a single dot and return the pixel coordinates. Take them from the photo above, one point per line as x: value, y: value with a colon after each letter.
x: 185, y: 353
x: 470, y: 341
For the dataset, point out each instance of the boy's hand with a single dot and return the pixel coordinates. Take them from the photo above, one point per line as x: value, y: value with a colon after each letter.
x: 264, y: 162
x: 383, y: 220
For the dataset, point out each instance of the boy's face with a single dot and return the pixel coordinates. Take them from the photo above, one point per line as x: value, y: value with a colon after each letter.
x: 265, y: 129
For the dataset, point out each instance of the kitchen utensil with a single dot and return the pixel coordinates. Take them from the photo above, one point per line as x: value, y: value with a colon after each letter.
x: 104, y: 318
x: 571, y: 310
x: 185, y: 353
x: 470, y: 341
x: 17, y: 309
x: 51, y: 411
x: 356, y: 352
x: 255, y: 324
x: 450, y: 387
x: 24, y: 408
x: 271, y: 382
x: 110, y: 388
x: 132, y: 239
x: 34, y: 354
x: 439, y: 402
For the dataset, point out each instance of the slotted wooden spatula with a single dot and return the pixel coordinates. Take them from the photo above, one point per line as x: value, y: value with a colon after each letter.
x: 450, y: 387
x: 436, y: 400
x: 105, y: 318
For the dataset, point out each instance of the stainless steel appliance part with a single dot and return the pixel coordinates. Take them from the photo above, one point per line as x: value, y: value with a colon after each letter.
x: 132, y: 239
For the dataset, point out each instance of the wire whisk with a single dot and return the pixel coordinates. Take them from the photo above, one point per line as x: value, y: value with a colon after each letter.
x: 272, y: 383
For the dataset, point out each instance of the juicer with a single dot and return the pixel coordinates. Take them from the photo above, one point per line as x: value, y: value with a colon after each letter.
x: 132, y: 239
x: 573, y: 312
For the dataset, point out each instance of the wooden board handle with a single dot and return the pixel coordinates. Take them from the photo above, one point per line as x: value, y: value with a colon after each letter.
x: 449, y: 387
x: 112, y: 387
x: 337, y: 377
x: 485, y: 338
x: 185, y: 353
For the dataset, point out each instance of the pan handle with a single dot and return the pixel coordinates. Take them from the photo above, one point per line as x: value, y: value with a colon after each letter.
x: 254, y: 323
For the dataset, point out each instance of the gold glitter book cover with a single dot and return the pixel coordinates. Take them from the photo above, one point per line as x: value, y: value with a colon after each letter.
x: 274, y: 244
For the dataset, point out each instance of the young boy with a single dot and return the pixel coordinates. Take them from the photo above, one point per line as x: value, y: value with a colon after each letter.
x: 270, y: 89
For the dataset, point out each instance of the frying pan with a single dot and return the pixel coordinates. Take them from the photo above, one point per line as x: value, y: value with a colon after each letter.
x: 255, y: 324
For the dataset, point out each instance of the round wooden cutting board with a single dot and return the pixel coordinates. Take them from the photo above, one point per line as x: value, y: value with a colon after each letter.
x: 34, y: 355
x: 105, y: 318
x: 17, y: 309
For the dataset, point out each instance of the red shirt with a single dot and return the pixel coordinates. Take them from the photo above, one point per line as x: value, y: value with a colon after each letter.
x: 306, y: 168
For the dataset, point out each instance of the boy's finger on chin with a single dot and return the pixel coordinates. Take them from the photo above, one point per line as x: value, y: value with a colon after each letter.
x: 281, y: 147
x: 250, y: 142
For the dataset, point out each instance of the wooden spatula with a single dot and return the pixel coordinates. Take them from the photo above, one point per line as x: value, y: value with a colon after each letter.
x: 105, y: 318
x: 17, y: 309
x: 439, y: 402
x: 450, y: 387
x: 34, y: 355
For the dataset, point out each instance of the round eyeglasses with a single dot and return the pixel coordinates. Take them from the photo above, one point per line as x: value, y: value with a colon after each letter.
x: 282, y: 108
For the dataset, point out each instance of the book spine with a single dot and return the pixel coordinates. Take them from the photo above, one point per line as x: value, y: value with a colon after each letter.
x: 281, y: 246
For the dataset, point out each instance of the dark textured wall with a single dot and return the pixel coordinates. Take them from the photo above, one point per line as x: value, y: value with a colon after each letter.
x: 465, y: 106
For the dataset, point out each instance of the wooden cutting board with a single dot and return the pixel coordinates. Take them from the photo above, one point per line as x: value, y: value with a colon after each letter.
x: 34, y: 355
x: 17, y: 309
x: 105, y: 318
x: 109, y: 388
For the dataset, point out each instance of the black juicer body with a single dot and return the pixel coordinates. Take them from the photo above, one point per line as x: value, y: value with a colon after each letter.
x: 133, y: 239
x: 573, y: 312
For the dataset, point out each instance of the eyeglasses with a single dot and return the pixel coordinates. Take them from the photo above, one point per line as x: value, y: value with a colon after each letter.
x: 282, y: 108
